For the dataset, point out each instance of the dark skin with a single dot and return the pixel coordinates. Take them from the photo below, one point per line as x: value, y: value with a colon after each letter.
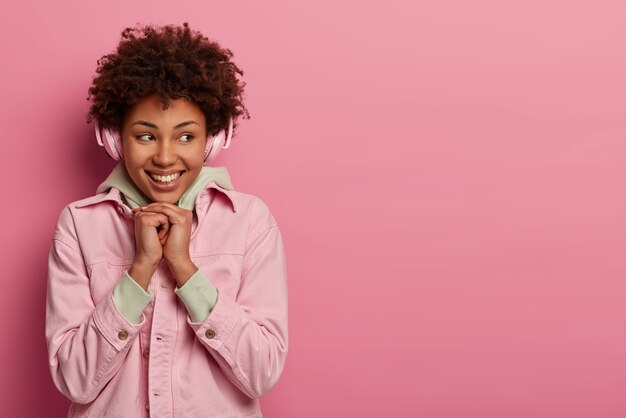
x: 168, y: 143
x: 174, y: 231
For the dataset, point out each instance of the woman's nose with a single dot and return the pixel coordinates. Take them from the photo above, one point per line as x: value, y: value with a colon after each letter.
x: 165, y: 153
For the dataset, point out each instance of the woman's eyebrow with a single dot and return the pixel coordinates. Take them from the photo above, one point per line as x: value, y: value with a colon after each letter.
x: 152, y: 125
x: 183, y: 124
x: 143, y: 122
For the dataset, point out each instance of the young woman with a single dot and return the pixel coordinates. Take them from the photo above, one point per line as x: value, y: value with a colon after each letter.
x: 167, y: 290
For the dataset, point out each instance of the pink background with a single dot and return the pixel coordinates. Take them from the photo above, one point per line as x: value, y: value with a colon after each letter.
x: 448, y: 178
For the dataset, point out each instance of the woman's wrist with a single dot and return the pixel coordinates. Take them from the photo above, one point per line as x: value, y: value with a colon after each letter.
x: 142, y: 271
x: 182, y: 270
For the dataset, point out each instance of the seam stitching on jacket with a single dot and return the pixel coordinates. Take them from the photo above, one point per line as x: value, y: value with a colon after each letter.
x: 256, y: 238
x: 230, y: 359
x: 93, y: 384
x: 56, y: 238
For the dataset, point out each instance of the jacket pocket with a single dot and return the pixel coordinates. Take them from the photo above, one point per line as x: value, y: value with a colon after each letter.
x: 103, y: 277
x: 222, y: 269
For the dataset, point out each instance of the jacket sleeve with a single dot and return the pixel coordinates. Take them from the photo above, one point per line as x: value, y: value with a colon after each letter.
x: 199, y: 296
x: 248, y: 336
x: 87, y: 343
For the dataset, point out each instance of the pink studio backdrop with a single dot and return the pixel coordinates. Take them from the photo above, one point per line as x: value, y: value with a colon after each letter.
x: 448, y: 178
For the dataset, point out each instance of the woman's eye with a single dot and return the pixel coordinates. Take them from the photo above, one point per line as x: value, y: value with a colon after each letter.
x: 145, y: 137
x: 186, y: 137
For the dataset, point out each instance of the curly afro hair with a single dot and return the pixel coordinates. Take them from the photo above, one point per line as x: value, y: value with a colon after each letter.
x: 171, y: 61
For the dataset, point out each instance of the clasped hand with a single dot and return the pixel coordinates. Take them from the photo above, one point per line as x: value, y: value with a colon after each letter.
x: 162, y: 231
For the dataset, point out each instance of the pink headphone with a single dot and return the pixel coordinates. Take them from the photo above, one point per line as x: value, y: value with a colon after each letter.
x: 110, y: 140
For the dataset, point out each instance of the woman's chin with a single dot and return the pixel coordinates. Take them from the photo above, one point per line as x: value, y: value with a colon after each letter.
x: 171, y: 197
x: 165, y: 199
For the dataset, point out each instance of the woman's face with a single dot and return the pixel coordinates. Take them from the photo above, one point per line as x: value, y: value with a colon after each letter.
x: 164, y: 149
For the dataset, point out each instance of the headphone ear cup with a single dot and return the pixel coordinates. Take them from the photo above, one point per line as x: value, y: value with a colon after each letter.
x: 215, y: 144
x: 115, y: 144
x: 111, y: 141
x: 213, y: 147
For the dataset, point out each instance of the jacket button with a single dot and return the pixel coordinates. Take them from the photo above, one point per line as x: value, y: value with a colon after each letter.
x: 146, y: 353
x: 147, y: 406
x: 120, y: 210
x: 209, y: 333
x: 122, y: 335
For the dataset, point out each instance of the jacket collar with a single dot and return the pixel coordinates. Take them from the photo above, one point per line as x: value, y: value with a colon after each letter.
x: 113, y: 194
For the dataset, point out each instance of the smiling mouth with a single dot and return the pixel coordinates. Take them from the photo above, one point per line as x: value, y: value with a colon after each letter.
x: 164, y: 180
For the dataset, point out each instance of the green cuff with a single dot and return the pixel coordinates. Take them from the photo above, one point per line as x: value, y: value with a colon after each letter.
x: 199, y: 296
x: 130, y: 298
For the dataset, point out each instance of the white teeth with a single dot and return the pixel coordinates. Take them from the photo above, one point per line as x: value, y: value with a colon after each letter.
x: 165, y: 179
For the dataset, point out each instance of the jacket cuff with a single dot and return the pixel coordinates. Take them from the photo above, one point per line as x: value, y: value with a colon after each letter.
x: 199, y: 296
x: 130, y: 298
x: 217, y: 327
x: 114, y: 326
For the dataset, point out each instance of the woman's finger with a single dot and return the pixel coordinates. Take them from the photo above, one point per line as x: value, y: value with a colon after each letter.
x: 160, y: 204
x: 164, y: 230
x: 175, y: 213
x: 154, y: 219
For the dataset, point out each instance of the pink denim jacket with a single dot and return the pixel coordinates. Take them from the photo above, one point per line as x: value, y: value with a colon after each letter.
x: 167, y: 365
